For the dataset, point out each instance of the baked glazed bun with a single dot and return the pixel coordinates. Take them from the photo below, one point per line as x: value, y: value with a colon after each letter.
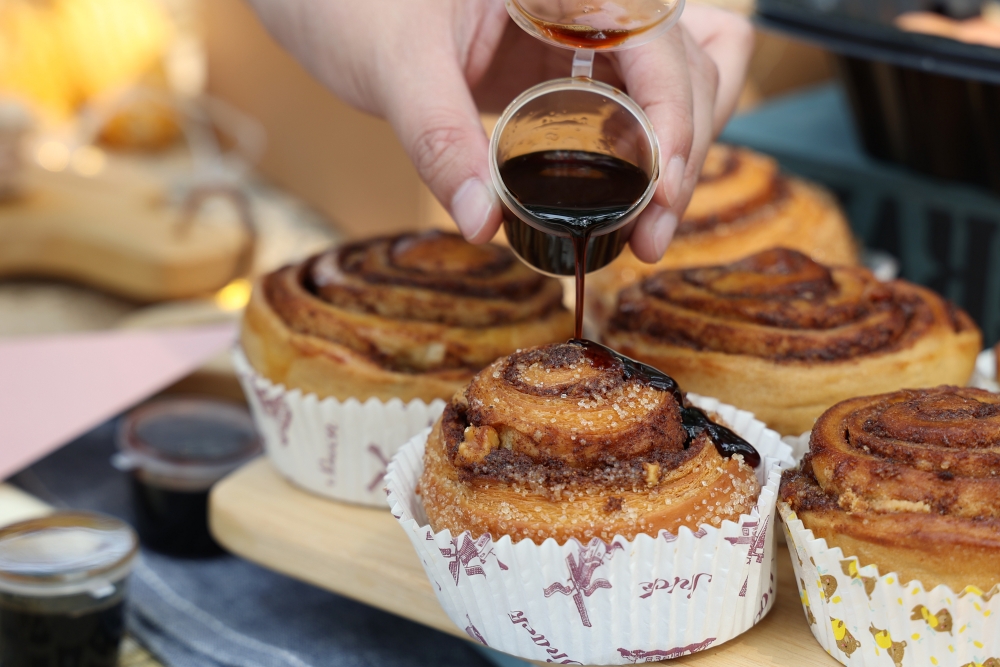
x: 785, y: 337
x: 572, y: 441
x: 742, y: 204
x: 411, y: 316
x: 907, y: 481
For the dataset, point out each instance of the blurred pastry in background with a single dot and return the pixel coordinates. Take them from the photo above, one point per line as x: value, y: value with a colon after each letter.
x: 15, y: 123
x: 983, y: 29
x: 129, y: 238
x: 142, y: 118
x: 743, y: 204
x: 785, y: 337
x: 62, y: 53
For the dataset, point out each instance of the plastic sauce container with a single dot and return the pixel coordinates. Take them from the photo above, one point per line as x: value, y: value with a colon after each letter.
x: 175, y: 450
x: 63, y: 581
x: 572, y: 119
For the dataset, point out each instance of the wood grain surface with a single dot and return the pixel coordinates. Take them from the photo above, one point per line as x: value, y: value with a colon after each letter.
x: 257, y: 514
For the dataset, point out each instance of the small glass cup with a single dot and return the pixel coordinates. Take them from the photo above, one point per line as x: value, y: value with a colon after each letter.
x: 63, y: 583
x: 573, y: 114
x: 609, y: 25
x: 175, y: 449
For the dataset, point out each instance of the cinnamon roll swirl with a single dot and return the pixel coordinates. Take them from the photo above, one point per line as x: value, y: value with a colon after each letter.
x: 785, y: 337
x: 908, y: 481
x: 742, y: 204
x: 411, y: 316
x: 574, y: 441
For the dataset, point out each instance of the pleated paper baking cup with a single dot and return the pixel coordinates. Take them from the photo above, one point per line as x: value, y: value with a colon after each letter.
x: 864, y: 619
x: 644, y: 600
x: 336, y: 449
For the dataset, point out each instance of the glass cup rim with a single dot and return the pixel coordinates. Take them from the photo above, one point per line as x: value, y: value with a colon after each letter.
x: 93, y: 579
x: 517, y: 14
x: 577, y: 84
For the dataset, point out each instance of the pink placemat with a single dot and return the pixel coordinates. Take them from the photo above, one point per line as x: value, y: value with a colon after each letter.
x: 54, y: 388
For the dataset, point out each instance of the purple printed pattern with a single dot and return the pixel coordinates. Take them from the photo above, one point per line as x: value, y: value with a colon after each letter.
x: 670, y: 537
x: 383, y: 459
x: 276, y: 408
x: 328, y: 464
x: 581, y: 582
x: 679, y: 583
x: 473, y: 633
x: 638, y: 655
x: 468, y: 555
x: 764, y: 599
x: 753, y: 534
x: 553, y: 654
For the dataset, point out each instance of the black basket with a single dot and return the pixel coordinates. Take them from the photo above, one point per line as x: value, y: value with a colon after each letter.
x: 946, y: 235
x: 930, y: 103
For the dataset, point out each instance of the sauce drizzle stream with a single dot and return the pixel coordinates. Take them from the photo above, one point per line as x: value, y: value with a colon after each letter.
x: 695, y: 421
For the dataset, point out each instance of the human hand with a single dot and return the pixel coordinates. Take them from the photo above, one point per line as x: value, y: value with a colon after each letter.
x: 430, y: 66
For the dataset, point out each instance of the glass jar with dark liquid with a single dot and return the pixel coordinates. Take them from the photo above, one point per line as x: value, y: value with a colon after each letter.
x: 63, y: 582
x: 575, y: 161
x: 175, y: 450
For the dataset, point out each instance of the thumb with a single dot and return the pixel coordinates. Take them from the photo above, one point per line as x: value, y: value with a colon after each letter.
x: 437, y: 122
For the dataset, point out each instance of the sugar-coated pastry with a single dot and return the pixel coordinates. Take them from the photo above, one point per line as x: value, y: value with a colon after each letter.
x: 785, y: 337
x: 573, y: 441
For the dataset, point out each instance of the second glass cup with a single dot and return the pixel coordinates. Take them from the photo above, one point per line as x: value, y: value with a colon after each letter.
x: 592, y: 137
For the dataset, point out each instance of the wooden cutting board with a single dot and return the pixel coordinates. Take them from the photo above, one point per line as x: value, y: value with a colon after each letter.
x: 257, y: 514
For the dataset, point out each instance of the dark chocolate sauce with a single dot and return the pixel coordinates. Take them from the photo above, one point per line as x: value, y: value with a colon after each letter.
x: 695, y: 421
x: 575, y: 193
x: 34, y: 638
x: 580, y: 263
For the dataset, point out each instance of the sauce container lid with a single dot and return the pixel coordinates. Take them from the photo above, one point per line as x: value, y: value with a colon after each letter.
x: 186, y: 443
x: 66, y: 553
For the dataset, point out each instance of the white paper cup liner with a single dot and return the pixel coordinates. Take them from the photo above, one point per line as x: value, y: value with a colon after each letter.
x: 644, y: 600
x: 336, y: 449
x: 985, y: 374
x: 799, y: 445
x: 864, y: 619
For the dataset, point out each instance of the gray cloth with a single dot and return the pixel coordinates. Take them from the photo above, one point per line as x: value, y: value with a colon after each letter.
x: 225, y: 611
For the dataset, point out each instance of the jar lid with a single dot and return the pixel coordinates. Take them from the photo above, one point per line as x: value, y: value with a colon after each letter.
x: 189, y: 442
x: 66, y: 553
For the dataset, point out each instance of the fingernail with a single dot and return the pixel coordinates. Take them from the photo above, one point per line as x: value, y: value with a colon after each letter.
x: 663, y: 232
x: 673, y: 178
x: 472, y: 206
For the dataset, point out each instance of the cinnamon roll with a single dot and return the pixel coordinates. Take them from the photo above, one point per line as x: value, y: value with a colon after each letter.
x: 742, y: 204
x: 907, y: 481
x: 574, y: 441
x: 785, y: 337
x: 411, y: 316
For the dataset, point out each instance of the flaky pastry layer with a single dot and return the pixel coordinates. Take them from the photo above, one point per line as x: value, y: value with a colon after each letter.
x: 910, y: 482
x: 413, y: 316
x: 546, y: 444
x: 786, y: 338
